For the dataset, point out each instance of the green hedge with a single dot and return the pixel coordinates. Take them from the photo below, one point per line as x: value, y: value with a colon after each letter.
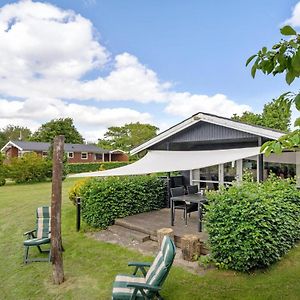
x: 104, y: 200
x: 91, y: 167
x: 3, y: 170
x: 253, y: 225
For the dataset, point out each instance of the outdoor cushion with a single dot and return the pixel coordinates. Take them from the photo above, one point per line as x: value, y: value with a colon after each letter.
x: 120, y: 289
x: 160, y: 267
x: 43, y: 220
x: 154, y: 278
x: 36, y: 241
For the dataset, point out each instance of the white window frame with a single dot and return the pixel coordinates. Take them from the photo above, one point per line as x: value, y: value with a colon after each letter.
x: 70, y: 156
x: 87, y: 155
x: 44, y: 153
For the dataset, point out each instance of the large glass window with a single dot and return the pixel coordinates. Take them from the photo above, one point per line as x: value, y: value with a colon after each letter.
x: 250, y: 166
x: 280, y: 170
x: 229, y: 172
x: 209, y: 177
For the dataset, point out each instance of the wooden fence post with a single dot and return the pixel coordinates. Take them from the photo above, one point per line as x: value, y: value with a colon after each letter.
x: 56, y: 241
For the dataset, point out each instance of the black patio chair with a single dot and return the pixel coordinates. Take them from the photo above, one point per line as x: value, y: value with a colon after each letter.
x: 186, y: 207
x: 192, y: 189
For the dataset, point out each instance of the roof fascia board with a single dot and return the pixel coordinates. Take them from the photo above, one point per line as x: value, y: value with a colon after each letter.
x: 173, y: 130
x: 12, y: 144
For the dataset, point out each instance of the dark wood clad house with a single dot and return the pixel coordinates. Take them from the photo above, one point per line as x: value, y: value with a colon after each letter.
x: 204, y: 131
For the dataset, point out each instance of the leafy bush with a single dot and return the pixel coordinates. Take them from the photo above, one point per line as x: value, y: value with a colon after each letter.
x: 3, y: 170
x: 30, y: 168
x: 252, y: 225
x: 75, y: 191
x: 106, y: 199
x: 91, y: 167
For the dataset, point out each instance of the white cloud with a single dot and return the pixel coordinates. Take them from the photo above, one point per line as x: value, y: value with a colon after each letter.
x: 88, y: 119
x: 186, y: 104
x: 47, y: 54
x: 294, y: 20
x: 39, y: 40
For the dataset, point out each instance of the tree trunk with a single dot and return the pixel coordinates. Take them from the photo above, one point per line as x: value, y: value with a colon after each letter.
x: 56, y: 241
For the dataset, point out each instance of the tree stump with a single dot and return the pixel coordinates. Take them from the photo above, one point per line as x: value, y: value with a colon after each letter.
x: 190, y: 247
x: 162, y: 232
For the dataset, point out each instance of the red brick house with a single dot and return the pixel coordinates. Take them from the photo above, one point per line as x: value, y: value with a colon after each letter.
x: 77, y: 153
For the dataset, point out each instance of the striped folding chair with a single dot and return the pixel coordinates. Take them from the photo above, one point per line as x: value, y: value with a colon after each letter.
x: 40, y: 235
x: 148, y: 285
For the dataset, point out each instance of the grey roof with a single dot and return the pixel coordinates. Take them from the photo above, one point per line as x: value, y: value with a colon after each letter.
x: 214, y: 119
x: 40, y: 146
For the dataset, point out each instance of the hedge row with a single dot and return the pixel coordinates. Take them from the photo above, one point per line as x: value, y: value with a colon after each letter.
x: 91, y: 167
x: 253, y: 225
x: 3, y: 170
x: 104, y: 200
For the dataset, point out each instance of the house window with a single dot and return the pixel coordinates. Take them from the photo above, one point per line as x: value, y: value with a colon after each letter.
x: 84, y: 155
x: 70, y: 154
x: 44, y: 153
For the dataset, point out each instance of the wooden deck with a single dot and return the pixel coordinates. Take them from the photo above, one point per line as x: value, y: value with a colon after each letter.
x: 150, y: 222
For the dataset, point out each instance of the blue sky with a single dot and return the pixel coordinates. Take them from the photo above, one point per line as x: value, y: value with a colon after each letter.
x: 194, y: 49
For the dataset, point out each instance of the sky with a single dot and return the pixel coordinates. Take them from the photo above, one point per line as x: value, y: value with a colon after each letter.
x: 108, y: 63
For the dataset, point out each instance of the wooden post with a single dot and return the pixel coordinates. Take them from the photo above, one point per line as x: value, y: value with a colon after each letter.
x: 56, y: 241
x: 162, y: 232
x: 190, y: 247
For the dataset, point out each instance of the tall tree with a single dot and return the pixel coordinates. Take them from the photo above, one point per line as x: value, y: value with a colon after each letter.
x: 284, y: 57
x: 13, y: 132
x: 276, y: 114
x: 128, y: 136
x: 48, y: 131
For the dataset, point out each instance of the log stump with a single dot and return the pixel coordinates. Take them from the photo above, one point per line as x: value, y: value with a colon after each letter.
x: 190, y: 247
x: 162, y: 232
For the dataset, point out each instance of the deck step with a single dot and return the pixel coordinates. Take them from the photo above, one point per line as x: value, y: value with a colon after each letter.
x: 127, y: 224
x: 129, y: 233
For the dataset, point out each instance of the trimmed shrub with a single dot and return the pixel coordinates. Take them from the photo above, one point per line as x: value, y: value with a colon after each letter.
x: 75, y: 191
x: 30, y: 168
x: 107, y: 199
x: 252, y: 225
x: 92, y: 167
x: 3, y: 170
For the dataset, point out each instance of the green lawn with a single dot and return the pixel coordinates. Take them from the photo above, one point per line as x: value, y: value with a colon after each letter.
x: 90, y: 266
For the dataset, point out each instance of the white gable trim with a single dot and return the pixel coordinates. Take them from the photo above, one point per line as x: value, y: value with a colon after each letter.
x: 173, y: 130
x: 11, y: 144
x: 117, y: 150
x: 209, y: 119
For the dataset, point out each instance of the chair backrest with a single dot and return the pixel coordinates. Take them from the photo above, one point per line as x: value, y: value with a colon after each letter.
x: 192, y: 189
x: 43, y: 222
x: 177, y: 191
x: 161, y: 265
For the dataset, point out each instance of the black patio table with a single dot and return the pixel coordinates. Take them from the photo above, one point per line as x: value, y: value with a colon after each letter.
x: 190, y: 198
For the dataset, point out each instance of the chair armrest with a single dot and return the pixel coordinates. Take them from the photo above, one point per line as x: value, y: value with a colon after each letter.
x: 30, y: 233
x: 139, y: 266
x: 144, y: 286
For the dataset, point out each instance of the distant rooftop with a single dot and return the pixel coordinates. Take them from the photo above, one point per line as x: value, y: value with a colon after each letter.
x: 40, y: 146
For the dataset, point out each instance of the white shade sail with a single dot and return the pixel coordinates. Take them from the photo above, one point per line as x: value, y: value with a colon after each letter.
x: 167, y: 161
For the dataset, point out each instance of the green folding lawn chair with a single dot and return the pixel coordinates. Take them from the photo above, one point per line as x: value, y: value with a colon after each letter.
x: 147, y: 286
x: 40, y: 235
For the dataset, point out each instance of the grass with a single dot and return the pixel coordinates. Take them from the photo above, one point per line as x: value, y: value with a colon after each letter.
x: 90, y: 266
